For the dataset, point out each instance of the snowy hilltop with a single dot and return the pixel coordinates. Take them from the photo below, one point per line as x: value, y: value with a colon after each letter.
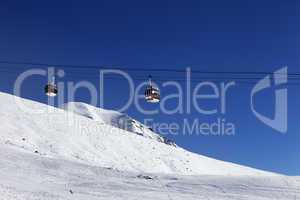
x: 83, y: 152
x: 115, y: 119
x: 103, y: 138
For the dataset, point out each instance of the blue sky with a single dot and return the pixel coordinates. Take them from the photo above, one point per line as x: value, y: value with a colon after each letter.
x: 205, y: 35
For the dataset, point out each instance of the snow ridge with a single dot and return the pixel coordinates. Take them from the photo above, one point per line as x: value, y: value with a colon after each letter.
x: 96, y: 138
x: 115, y: 119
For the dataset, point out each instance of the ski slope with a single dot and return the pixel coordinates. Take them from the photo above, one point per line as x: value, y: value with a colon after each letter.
x: 57, y: 133
x: 115, y: 119
x: 26, y: 176
x: 83, y: 152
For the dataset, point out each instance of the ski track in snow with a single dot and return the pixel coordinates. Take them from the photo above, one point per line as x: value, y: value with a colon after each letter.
x: 89, y: 154
x: 29, y: 176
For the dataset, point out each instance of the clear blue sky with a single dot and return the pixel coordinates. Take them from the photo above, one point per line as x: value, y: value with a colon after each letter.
x: 206, y: 35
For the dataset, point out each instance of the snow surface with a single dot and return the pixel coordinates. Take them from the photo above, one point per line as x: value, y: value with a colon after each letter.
x: 56, y: 133
x: 89, y: 153
x: 27, y: 176
x: 115, y: 119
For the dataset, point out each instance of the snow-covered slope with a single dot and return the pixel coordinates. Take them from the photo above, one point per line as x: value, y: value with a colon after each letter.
x: 26, y: 176
x: 60, y: 155
x: 115, y: 119
x: 58, y: 134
